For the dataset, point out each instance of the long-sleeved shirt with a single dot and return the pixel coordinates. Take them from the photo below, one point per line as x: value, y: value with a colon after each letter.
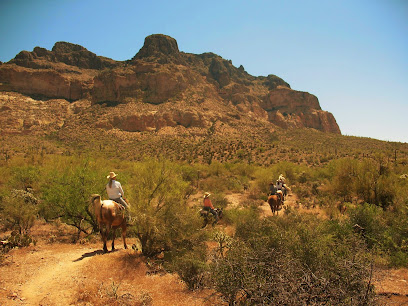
x: 207, y: 203
x: 116, y: 191
x: 280, y: 185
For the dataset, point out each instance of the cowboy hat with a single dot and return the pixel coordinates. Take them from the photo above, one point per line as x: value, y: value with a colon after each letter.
x: 206, y: 195
x: 111, y: 175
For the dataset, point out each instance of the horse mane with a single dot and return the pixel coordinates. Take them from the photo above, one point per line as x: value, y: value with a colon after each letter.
x: 94, y: 197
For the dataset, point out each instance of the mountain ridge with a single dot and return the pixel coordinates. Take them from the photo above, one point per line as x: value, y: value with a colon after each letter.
x: 178, y: 88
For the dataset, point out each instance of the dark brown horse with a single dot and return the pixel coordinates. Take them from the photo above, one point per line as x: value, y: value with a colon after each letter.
x: 110, y: 215
x: 275, y: 202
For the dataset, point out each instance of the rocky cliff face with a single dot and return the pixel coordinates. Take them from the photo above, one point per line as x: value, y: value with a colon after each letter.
x: 171, y: 88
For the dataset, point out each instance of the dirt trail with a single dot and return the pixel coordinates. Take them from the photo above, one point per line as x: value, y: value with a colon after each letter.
x: 54, y: 284
x: 68, y: 274
x: 43, y: 275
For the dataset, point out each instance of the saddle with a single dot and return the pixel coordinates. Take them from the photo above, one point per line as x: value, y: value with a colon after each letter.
x: 204, y: 213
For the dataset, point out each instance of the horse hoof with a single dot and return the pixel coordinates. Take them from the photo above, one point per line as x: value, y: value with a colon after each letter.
x: 125, y: 246
x: 105, y: 250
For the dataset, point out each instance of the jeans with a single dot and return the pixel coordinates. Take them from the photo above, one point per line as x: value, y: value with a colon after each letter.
x: 121, y: 201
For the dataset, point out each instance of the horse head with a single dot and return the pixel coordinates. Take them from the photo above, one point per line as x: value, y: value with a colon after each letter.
x: 95, y: 198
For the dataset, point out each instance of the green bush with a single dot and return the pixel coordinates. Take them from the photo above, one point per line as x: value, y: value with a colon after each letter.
x: 17, y: 214
x: 369, y: 218
x: 66, y: 189
x: 192, y: 268
x: 294, y: 260
x: 161, y: 218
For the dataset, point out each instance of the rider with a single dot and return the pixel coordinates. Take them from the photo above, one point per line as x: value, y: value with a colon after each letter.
x: 115, y: 191
x: 209, y: 207
x: 281, y: 186
x: 272, y: 189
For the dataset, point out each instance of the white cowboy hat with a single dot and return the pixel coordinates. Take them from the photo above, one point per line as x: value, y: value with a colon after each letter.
x: 206, y: 195
x: 111, y: 175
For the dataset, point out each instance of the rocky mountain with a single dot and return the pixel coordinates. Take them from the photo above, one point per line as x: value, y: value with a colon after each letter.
x: 160, y: 89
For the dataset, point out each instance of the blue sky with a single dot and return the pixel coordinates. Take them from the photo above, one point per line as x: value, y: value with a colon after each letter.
x: 351, y: 54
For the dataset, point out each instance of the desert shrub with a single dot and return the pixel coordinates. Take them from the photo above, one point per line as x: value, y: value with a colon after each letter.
x: 161, y: 219
x: 68, y: 184
x: 189, y: 173
x: 216, y: 169
x: 219, y: 200
x: 370, y: 180
x: 395, y: 241
x: 384, y: 231
x: 191, y: 267
x: 369, y: 218
x: 24, y: 177
x: 14, y: 240
x: 343, y: 173
x: 17, y: 214
x: 263, y: 177
x: 288, y: 169
x: 399, y: 258
x: 401, y: 190
x: 19, y: 240
x: 241, y: 169
x: 213, y: 184
x: 241, y: 216
x: 294, y: 260
x: 303, y: 177
x: 374, y: 183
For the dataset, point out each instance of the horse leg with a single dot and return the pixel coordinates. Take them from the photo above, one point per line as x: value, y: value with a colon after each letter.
x: 104, y: 239
x: 124, y: 234
x: 270, y: 205
x: 113, y: 239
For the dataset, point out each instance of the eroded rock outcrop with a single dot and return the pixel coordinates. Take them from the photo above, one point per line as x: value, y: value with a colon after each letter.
x: 62, y: 52
x: 158, y: 74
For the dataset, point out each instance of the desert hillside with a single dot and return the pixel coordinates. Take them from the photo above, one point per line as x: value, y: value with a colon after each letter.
x: 160, y: 87
x: 174, y: 126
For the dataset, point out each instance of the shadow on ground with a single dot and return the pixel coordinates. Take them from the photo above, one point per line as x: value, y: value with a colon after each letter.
x: 89, y: 254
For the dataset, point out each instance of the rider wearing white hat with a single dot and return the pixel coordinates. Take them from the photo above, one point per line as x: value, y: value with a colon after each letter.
x: 281, y: 186
x: 115, y: 191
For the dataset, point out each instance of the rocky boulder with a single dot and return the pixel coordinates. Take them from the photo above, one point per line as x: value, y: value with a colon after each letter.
x: 159, y: 47
x: 290, y: 108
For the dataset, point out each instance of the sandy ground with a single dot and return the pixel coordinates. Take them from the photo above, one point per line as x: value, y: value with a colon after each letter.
x: 73, y: 274
x: 67, y: 274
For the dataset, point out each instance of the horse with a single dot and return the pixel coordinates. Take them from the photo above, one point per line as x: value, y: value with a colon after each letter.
x: 275, y: 201
x: 207, y: 216
x: 110, y: 215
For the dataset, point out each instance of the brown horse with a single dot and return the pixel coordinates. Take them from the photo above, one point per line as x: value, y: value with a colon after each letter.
x: 110, y: 215
x: 275, y: 202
